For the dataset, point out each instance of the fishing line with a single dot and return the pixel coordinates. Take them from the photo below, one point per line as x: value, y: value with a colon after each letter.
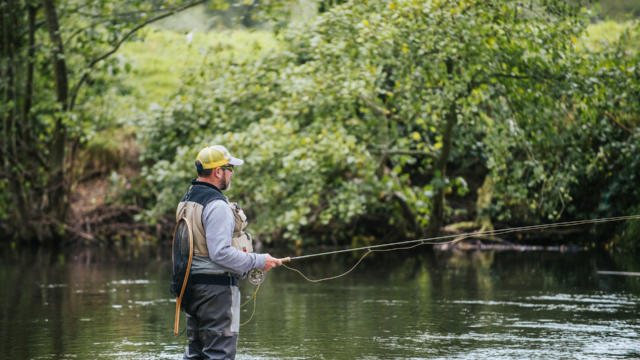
x: 438, y: 241
x: 425, y: 241
x: 254, y: 298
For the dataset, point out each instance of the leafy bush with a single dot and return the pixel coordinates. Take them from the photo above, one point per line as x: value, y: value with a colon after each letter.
x: 355, y: 123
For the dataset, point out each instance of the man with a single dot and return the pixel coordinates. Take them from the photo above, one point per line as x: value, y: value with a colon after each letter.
x: 212, y: 300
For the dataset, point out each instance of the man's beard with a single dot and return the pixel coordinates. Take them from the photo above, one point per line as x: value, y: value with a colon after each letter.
x: 225, y: 185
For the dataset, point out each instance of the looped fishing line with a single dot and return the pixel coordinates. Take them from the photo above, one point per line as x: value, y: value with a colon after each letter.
x: 369, y: 251
x: 255, y: 299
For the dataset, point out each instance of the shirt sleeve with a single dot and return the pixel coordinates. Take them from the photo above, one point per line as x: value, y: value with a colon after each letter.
x: 218, y: 221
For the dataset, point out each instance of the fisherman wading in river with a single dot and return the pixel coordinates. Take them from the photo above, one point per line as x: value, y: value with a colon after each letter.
x: 220, y: 254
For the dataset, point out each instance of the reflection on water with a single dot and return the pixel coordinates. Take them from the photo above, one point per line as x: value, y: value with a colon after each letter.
x: 398, y: 305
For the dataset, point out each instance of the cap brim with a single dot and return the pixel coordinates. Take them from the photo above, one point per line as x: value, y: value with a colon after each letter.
x: 235, y: 161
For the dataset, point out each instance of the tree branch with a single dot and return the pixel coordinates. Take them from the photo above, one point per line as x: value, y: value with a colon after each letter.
x: 104, y: 19
x: 375, y: 107
x: 117, y: 45
x: 79, y: 30
x: 527, y: 77
x: 28, y: 91
x: 405, y: 152
x: 128, y: 13
x: 409, y: 216
x: 60, y: 65
x: 381, y: 111
x: 613, y: 118
x: 65, y: 12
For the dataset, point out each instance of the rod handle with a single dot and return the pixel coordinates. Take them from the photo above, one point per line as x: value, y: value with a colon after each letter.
x: 287, y: 259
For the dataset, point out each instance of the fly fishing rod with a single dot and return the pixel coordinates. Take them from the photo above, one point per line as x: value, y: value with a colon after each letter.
x: 257, y: 276
x: 440, y: 240
x: 457, y: 237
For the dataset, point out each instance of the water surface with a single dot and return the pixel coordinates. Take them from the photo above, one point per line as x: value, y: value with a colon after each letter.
x: 400, y: 305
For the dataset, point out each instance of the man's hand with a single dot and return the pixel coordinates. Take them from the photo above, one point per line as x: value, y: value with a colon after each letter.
x: 271, y: 263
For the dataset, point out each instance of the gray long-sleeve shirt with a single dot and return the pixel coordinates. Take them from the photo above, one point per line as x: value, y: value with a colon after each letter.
x: 218, y: 222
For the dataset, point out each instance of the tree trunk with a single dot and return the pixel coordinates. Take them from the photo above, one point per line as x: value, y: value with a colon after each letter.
x: 39, y: 199
x: 28, y: 90
x: 7, y: 80
x: 437, y: 215
x: 57, y: 193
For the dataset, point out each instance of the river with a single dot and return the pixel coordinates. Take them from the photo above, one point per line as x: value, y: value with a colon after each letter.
x: 419, y: 304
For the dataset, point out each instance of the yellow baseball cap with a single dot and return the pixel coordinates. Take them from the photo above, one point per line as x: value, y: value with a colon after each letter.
x: 214, y: 156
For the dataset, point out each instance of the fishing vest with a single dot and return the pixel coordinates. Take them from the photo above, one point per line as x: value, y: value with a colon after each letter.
x: 191, y: 206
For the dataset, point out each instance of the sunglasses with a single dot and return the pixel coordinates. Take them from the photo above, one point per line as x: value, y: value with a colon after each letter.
x: 228, y: 167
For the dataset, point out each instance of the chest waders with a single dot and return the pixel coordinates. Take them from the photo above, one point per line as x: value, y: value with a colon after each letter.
x: 189, y: 239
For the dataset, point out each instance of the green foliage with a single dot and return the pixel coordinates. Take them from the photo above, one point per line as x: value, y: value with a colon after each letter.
x: 342, y: 124
x: 355, y: 124
x: 56, y: 66
x: 596, y: 148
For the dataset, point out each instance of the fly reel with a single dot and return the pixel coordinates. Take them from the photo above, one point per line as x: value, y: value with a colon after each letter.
x: 256, y: 276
